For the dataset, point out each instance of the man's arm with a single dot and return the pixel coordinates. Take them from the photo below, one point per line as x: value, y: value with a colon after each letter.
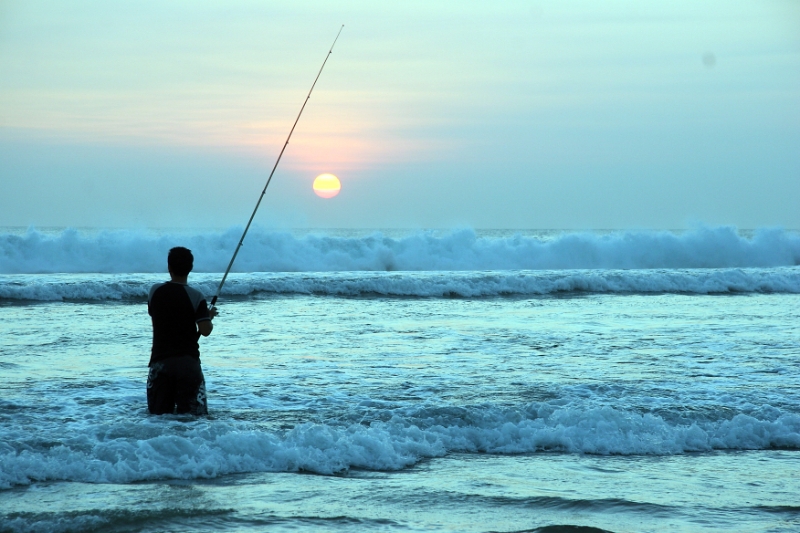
x: 205, y: 326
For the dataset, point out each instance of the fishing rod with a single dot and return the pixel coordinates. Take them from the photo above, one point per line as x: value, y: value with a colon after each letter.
x: 258, y: 203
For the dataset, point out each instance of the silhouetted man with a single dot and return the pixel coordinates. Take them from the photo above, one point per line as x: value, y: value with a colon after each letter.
x: 175, y: 383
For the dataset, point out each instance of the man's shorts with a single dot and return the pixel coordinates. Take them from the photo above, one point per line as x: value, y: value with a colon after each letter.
x: 176, y: 385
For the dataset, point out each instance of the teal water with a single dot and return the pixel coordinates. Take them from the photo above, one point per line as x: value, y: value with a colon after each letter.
x: 623, y: 412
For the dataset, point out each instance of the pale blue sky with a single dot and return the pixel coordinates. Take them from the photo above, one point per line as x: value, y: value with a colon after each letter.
x: 530, y: 114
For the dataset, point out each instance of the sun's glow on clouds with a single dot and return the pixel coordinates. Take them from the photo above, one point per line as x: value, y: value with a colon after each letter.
x: 571, y: 114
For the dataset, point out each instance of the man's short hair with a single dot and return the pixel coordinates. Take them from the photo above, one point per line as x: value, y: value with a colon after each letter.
x: 180, y: 261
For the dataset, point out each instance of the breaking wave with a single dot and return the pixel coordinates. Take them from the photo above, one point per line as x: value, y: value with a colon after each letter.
x: 140, y: 251
x: 530, y: 283
x: 148, y: 448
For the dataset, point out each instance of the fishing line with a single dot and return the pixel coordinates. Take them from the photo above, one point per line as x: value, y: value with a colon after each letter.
x: 258, y: 203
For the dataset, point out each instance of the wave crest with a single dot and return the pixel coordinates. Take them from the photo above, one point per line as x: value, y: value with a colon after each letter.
x: 98, y: 287
x: 140, y: 251
x: 164, y: 449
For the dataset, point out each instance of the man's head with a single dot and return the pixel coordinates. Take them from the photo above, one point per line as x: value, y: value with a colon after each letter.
x: 180, y: 261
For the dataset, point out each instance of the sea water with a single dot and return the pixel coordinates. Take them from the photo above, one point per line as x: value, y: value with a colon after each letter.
x: 417, y: 381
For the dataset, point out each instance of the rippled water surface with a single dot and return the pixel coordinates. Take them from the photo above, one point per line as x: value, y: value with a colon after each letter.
x: 624, y: 412
x: 625, y: 381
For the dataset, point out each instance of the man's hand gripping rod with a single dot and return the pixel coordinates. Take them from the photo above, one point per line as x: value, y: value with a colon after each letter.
x: 236, y: 251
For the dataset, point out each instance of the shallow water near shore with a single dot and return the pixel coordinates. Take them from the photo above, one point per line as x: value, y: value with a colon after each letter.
x: 351, y: 407
x: 463, y: 492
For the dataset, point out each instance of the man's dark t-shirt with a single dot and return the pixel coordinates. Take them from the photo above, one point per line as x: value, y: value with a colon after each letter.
x: 175, y: 309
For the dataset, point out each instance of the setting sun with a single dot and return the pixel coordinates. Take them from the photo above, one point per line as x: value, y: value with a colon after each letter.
x: 327, y: 185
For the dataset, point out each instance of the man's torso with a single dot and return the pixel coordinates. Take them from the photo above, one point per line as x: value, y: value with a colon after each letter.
x: 175, y: 309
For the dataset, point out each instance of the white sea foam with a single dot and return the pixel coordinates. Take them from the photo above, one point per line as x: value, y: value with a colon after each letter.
x: 149, y: 449
x: 56, y: 287
x: 130, y: 251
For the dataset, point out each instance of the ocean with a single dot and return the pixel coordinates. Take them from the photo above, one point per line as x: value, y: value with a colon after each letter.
x: 458, y: 380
